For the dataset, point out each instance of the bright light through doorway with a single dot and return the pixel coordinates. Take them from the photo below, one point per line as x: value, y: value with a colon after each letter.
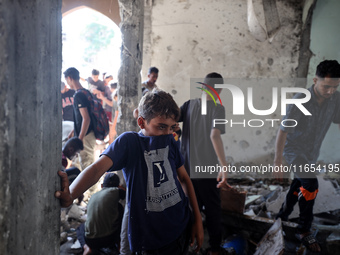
x: 90, y: 41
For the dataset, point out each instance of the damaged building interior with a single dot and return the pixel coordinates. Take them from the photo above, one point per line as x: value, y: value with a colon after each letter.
x: 185, y: 39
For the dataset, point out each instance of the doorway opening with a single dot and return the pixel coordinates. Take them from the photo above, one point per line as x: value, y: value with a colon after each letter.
x: 90, y: 41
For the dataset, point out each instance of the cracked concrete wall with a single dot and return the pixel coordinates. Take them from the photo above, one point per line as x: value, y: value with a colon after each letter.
x: 192, y: 38
x: 30, y: 128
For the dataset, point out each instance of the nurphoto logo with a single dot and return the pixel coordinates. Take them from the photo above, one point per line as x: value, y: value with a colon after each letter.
x: 204, y: 98
x: 238, y: 106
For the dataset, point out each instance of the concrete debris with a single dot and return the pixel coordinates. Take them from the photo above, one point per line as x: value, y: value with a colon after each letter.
x: 251, y: 199
x: 249, y: 210
x: 250, y: 213
x: 335, y: 228
x: 328, y: 198
x: 272, y: 243
x: 63, y: 216
x: 71, y: 218
x: 63, y: 237
x: 326, y: 218
x: 272, y: 196
x: 76, y: 245
x: 333, y: 243
x: 263, y: 201
x: 75, y: 212
x: 274, y: 187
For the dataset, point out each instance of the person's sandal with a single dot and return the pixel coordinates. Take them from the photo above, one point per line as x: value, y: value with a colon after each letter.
x: 308, y: 241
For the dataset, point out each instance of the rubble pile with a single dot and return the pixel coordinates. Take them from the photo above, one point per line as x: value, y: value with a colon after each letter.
x: 249, y: 225
x: 249, y: 211
x: 70, y: 219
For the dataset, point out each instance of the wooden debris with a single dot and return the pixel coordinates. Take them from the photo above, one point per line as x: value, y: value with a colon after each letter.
x: 233, y: 200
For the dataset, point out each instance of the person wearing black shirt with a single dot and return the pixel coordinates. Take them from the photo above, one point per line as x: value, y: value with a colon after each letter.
x: 83, y: 126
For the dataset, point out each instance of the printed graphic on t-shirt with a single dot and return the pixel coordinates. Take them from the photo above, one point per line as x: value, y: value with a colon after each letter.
x: 67, y: 101
x: 159, y: 175
x: 162, y: 191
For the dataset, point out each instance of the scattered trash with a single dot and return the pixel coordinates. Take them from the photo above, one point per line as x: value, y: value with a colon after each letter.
x: 236, y: 244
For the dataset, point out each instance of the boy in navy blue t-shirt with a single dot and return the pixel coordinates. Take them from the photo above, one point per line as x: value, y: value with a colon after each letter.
x: 159, y: 214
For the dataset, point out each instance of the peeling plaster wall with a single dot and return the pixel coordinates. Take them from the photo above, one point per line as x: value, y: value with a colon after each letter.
x: 30, y: 128
x: 192, y: 38
x: 147, y: 50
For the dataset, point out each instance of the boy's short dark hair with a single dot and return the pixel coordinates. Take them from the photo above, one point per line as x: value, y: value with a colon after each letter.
x: 153, y: 70
x: 158, y: 103
x: 95, y: 72
x: 111, y: 180
x: 74, y: 142
x: 72, y: 73
x: 113, y: 85
x: 328, y: 68
x: 212, y: 79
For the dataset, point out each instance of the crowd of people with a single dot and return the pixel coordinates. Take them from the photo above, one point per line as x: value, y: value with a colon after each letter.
x: 164, y: 202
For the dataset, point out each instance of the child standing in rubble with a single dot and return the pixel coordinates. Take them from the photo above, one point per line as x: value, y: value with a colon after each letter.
x: 159, y: 214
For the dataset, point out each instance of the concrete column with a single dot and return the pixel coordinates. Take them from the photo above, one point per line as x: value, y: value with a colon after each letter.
x: 30, y: 126
x: 129, y: 80
x: 147, y: 45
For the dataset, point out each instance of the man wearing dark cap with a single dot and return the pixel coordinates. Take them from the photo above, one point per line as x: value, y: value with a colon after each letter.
x: 104, y: 216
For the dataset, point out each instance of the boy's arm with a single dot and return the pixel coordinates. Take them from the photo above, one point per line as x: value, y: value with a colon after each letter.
x: 85, y: 123
x: 95, y: 91
x: 215, y: 137
x: 279, y: 146
x: 101, y: 96
x: 197, y: 228
x: 70, y: 135
x: 84, y: 181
